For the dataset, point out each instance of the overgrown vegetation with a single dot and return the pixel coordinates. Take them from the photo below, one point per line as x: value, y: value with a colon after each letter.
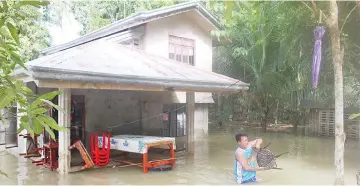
x: 21, y: 34
x: 275, y: 70
x: 270, y: 45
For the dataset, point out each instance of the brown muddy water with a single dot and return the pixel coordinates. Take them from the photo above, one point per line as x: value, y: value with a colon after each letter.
x: 310, y: 161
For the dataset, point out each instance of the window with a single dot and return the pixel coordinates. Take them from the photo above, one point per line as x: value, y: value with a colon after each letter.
x: 174, y: 120
x: 132, y: 43
x: 181, y: 49
x: 136, y: 43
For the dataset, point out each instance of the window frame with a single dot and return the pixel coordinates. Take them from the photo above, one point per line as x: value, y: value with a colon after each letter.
x: 181, y: 45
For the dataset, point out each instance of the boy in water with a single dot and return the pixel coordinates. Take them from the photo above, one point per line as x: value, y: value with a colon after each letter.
x: 244, y: 165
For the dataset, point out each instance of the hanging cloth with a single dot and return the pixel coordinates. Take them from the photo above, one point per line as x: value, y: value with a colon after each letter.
x: 317, y: 54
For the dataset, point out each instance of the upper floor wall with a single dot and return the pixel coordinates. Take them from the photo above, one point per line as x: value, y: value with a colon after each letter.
x: 156, y: 39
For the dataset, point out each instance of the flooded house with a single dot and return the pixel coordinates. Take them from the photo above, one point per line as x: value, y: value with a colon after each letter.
x: 149, y: 74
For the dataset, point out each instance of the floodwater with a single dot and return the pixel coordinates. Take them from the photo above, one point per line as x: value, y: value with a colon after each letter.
x: 310, y: 161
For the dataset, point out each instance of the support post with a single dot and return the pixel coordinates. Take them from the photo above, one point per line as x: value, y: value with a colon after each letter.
x: 64, y: 136
x: 190, y: 101
x: 22, y: 142
x: 140, y: 103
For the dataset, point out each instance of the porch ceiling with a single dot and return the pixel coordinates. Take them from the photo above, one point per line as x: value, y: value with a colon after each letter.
x: 103, y: 64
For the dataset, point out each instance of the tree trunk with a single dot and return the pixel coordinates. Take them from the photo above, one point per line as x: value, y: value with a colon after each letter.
x: 337, y: 56
x: 219, y: 105
x: 264, y: 124
x: 232, y: 107
x: 265, y: 118
x: 276, y: 115
x: 296, y: 122
x: 264, y: 121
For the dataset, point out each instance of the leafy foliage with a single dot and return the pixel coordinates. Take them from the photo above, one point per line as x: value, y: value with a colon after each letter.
x: 264, y: 53
x: 33, y: 35
x: 96, y: 14
x: 32, y: 111
x: 270, y: 46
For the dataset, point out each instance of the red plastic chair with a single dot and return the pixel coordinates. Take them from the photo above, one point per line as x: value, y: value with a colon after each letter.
x: 100, y: 156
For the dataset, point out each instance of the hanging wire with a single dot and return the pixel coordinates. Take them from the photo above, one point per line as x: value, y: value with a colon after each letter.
x: 157, y: 115
x: 109, y: 129
x: 143, y: 119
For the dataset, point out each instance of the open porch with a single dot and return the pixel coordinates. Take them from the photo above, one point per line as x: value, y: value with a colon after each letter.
x: 122, y: 91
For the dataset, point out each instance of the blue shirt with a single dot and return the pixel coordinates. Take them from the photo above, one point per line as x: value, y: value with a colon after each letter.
x: 241, y: 174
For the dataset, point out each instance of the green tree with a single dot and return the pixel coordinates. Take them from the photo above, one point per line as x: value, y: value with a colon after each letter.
x: 96, y: 14
x: 266, y: 53
x: 34, y: 35
x: 340, y: 41
x: 33, y: 117
x: 335, y: 52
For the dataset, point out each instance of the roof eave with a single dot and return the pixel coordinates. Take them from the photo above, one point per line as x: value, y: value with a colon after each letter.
x: 163, y: 84
x: 20, y: 73
x: 214, y: 21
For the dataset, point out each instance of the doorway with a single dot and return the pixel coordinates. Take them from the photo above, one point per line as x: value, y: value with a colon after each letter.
x: 174, y: 120
x: 78, y: 118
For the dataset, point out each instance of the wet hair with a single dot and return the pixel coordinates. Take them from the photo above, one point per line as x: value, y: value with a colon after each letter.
x: 239, y: 135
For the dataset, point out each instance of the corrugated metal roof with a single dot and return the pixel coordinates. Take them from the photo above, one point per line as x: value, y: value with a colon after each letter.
x: 136, y: 20
x: 106, y: 62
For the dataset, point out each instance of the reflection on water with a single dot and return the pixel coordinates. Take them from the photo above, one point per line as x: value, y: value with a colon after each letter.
x: 310, y: 161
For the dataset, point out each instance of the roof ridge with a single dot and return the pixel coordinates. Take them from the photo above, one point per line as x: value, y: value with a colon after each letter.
x: 130, y: 22
x: 135, y: 15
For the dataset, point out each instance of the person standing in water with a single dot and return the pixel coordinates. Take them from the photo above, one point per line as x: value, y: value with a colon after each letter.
x: 244, y: 165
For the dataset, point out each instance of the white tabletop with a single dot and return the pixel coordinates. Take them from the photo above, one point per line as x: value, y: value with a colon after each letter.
x: 134, y: 143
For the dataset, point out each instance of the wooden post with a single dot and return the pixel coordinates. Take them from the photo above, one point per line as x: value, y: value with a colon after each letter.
x: 64, y: 136
x: 190, y: 96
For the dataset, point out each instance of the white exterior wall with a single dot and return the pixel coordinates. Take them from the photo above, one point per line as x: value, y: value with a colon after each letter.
x: 156, y: 38
x: 201, y: 121
x: 156, y: 41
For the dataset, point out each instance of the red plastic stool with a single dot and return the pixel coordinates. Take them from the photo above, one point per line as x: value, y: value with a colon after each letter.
x: 100, y: 156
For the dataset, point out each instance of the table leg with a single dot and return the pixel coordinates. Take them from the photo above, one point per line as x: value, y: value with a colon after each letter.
x: 172, y: 156
x: 145, y: 162
x: 27, y: 149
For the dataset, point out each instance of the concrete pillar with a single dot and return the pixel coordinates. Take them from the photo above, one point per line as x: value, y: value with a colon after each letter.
x: 140, y: 104
x: 200, y: 121
x: 190, y: 101
x: 64, y: 136
x: 22, y: 142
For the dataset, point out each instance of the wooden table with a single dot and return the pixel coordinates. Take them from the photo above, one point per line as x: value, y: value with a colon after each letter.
x: 141, y: 145
x: 50, y: 160
x: 33, y: 142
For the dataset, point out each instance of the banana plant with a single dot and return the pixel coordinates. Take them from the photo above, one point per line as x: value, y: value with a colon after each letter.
x: 33, y: 115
